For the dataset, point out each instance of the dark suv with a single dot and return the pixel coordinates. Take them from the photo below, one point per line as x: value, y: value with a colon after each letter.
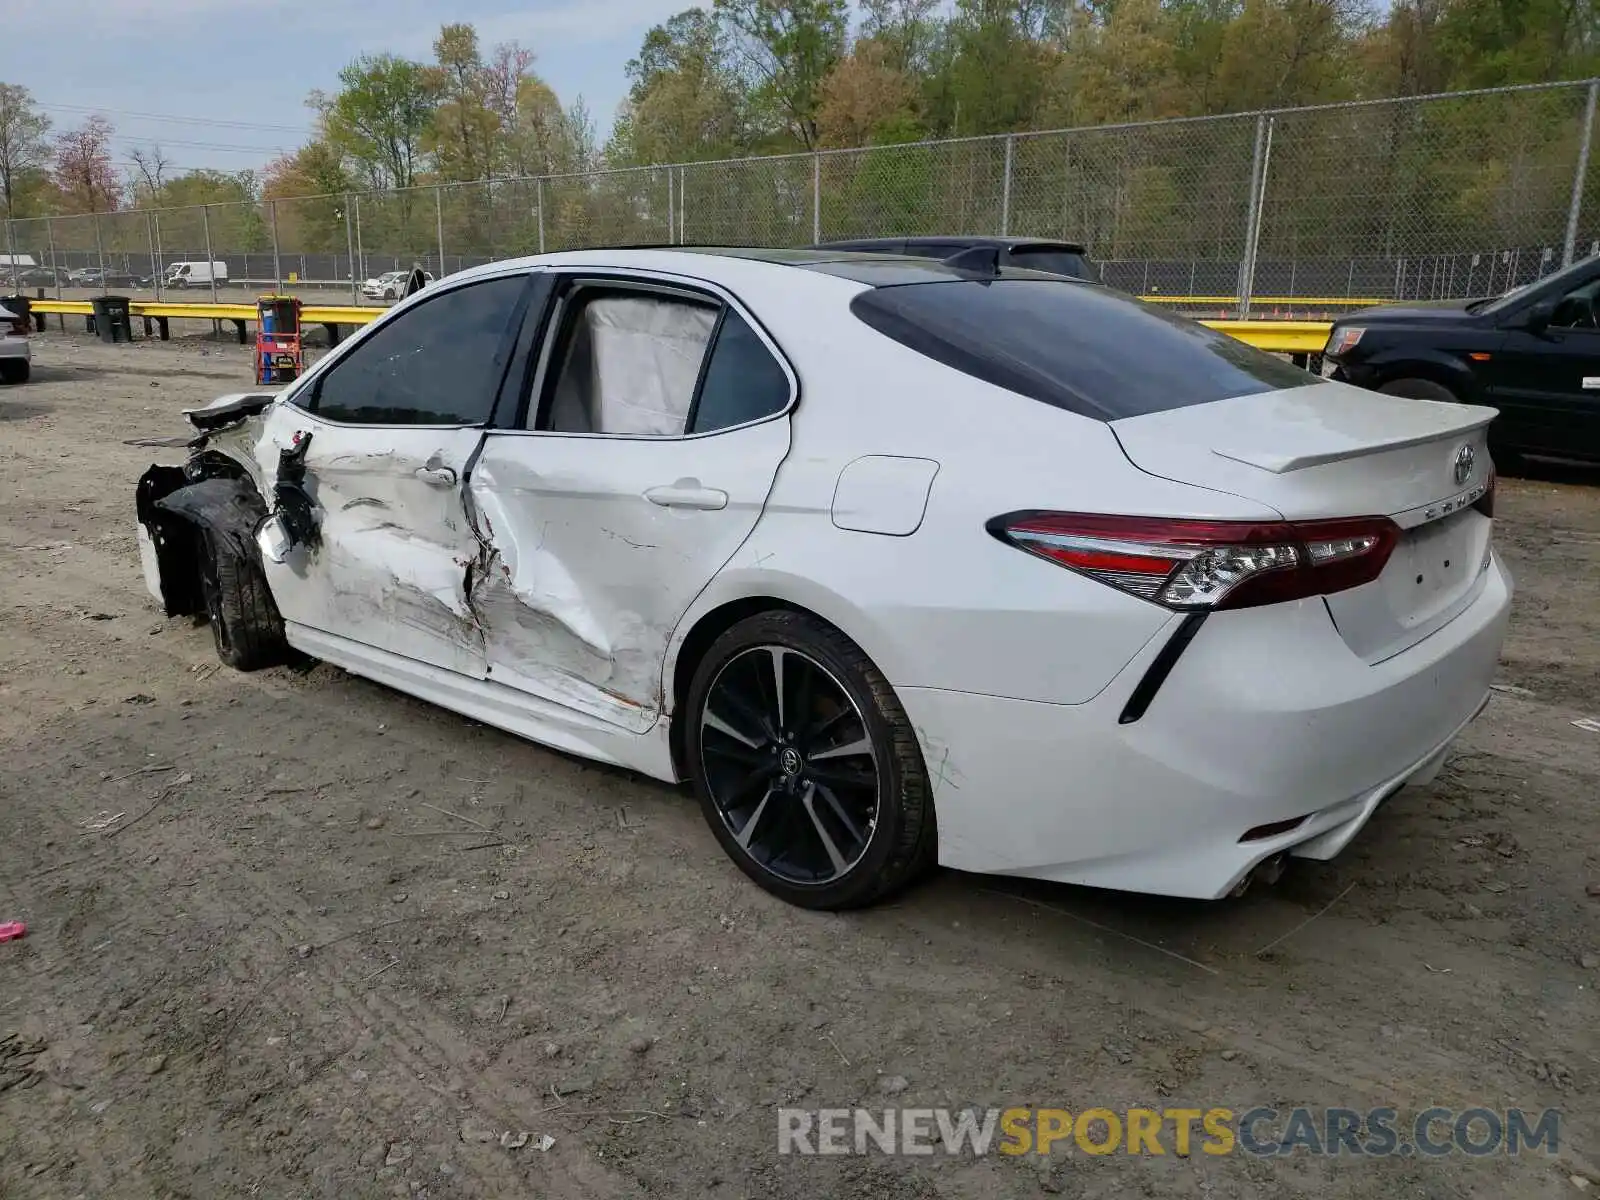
x: 1533, y: 353
x: 1036, y: 254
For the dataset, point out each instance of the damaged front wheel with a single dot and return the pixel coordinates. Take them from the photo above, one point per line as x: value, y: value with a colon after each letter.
x: 244, y: 621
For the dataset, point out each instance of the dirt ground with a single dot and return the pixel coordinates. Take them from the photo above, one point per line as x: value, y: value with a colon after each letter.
x: 287, y: 970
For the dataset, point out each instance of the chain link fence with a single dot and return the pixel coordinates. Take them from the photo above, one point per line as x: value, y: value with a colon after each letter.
x: 1434, y: 197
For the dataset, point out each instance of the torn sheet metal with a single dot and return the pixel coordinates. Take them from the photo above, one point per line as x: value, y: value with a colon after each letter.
x: 229, y: 409
x: 387, y: 561
x: 631, y: 366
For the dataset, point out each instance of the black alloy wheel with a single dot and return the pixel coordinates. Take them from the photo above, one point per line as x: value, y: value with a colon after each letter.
x: 805, y: 764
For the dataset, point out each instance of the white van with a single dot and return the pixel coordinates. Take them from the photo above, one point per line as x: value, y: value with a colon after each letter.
x: 195, y: 274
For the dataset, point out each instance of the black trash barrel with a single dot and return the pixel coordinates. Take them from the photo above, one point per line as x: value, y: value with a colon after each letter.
x: 113, y: 318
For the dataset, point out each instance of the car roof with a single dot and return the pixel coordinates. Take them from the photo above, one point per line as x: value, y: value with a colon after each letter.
x: 958, y: 241
x: 863, y: 267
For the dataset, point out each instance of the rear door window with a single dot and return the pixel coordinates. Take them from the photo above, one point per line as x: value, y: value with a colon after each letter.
x: 1076, y: 346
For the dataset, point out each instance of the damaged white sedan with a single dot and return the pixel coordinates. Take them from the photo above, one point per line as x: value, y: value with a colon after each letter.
x: 897, y: 561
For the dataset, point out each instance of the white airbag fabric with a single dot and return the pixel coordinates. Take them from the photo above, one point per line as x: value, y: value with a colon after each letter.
x: 643, y: 359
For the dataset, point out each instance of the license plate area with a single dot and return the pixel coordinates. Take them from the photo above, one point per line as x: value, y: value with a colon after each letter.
x: 1433, y: 574
x: 1435, y: 562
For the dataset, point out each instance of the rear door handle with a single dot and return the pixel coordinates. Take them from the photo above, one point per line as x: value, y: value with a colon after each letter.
x: 437, y: 476
x: 687, y: 495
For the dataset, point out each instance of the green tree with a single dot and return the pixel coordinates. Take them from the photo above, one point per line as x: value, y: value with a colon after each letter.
x: 307, y: 190
x: 992, y: 69
x: 463, y: 132
x: 685, y: 102
x: 784, y: 49
x: 24, y: 148
x: 381, y: 115
x: 1491, y: 43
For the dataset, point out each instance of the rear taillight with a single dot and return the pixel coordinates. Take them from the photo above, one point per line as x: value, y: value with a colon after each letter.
x: 1199, y: 565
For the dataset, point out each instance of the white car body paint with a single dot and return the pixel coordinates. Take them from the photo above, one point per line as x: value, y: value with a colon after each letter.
x: 1012, y: 670
x: 882, y: 493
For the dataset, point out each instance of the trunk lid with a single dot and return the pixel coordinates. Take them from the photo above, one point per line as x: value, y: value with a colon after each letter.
x: 1330, y: 450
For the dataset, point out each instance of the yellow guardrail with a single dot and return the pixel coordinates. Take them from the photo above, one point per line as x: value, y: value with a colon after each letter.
x: 319, y: 314
x: 1279, y: 337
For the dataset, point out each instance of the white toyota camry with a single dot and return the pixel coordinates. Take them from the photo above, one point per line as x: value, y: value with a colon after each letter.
x: 897, y: 561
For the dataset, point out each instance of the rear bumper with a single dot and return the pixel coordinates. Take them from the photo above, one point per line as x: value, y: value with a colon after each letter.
x: 15, y: 347
x: 1266, y: 718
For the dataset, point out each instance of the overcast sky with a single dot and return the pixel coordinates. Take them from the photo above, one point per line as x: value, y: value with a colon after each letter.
x: 247, y: 63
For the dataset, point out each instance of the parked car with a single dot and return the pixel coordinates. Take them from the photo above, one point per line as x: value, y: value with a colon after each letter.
x: 102, y: 278
x: 1034, y: 254
x: 46, y: 277
x: 16, y: 356
x: 894, y: 561
x: 390, y: 284
x: 1533, y: 353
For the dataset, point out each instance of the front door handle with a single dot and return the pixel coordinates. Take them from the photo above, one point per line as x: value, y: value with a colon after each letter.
x: 437, y: 476
x: 688, y: 494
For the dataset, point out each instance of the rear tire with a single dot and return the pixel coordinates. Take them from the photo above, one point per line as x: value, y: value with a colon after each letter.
x: 821, y: 797
x: 1420, y: 389
x: 15, y: 370
x: 244, y: 620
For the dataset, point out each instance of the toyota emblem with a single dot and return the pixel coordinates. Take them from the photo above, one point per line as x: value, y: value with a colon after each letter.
x: 1465, y: 458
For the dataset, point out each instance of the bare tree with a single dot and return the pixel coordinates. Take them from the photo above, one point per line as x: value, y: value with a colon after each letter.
x: 83, y: 167
x: 150, y: 167
x: 23, y: 148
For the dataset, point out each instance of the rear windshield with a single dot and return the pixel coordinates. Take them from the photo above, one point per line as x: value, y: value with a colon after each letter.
x: 1077, y: 346
x: 1057, y: 262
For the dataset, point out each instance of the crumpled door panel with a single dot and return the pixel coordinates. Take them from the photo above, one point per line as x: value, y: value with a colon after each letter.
x: 390, y: 566
x: 586, y: 576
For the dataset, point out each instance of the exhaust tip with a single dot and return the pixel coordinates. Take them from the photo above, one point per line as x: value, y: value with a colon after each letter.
x: 1267, y: 872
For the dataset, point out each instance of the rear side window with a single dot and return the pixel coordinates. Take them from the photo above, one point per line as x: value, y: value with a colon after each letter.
x: 1056, y: 261
x: 1076, y: 346
x: 743, y: 382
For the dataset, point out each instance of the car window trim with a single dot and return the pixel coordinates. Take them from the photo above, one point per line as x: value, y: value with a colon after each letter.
x: 542, y: 308
x: 312, y: 381
x: 660, y: 282
x: 705, y: 368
